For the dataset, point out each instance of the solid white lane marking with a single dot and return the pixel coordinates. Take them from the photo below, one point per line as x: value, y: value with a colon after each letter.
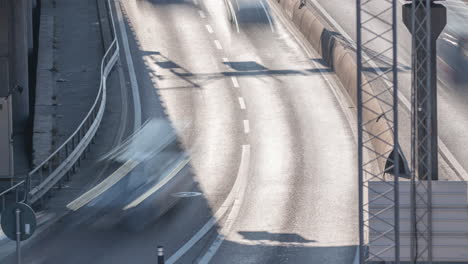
x: 242, y: 103
x: 131, y: 68
x: 180, y: 165
x: 236, y: 192
x: 234, y: 16
x: 209, y: 28
x: 268, y: 16
x: 218, y: 44
x: 103, y: 186
x: 235, y: 82
x: 202, y: 14
x: 246, y: 126
x: 238, y: 200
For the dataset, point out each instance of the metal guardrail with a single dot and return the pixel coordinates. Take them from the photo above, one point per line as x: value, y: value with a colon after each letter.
x: 66, y: 158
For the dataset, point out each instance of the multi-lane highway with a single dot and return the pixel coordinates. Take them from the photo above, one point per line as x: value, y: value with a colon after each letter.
x: 271, y: 168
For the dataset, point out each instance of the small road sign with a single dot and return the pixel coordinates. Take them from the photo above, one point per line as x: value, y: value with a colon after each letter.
x: 27, y: 221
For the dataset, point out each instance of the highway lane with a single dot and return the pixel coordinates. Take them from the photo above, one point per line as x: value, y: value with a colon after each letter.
x: 193, y: 105
x: 302, y: 155
x: 451, y: 98
x: 223, y: 91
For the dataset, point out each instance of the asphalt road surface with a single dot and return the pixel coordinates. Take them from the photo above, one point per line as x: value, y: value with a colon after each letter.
x: 272, y: 154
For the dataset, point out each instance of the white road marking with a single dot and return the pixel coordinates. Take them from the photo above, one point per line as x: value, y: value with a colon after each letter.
x: 180, y: 165
x: 103, y: 186
x: 131, y: 68
x: 235, y: 82
x: 218, y: 44
x: 202, y: 14
x: 225, y: 59
x: 234, y: 16
x: 115, y: 177
x: 209, y: 28
x: 268, y: 16
x: 238, y: 200
x: 246, y: 126
x: 236, y: 193
x: 242, y: 103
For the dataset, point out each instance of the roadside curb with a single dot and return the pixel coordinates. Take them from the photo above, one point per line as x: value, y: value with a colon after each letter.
x: 340, y: 57
x: 104, y: 23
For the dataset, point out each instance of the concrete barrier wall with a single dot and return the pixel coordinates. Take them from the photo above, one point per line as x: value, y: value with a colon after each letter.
x: 341, y: 59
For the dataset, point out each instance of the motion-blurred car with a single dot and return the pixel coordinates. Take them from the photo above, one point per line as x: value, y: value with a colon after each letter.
x: 248, y: 11
x: 461, y: 67
x: 452, y: 47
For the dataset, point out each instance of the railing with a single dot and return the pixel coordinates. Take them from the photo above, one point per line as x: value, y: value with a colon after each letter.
x: 66, y: 158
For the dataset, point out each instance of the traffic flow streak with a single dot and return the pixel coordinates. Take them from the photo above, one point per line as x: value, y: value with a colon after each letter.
x: 255, y: 94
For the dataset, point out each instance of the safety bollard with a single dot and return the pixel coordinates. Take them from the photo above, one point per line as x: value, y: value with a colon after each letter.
x: 160, y: 255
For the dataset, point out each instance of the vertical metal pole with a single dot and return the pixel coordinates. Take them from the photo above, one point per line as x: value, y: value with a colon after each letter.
x: 161, y: 255
x: 396, y: 156
x: 359, y: 121
x: 18, y: 236
x: 431, y: 96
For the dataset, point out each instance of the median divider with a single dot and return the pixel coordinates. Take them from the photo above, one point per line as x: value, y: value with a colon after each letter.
x: 340, y: 57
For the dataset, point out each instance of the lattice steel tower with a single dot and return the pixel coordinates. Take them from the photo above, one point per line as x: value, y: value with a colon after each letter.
x: 425, y: 20
x: 379, y: 155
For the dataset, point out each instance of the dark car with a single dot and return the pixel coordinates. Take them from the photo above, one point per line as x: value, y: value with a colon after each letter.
x: 248, y: 12
x: 460, y: 61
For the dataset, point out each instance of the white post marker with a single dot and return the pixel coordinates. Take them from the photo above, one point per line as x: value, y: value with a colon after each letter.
x: 160, y: 255
x: 18, y: 235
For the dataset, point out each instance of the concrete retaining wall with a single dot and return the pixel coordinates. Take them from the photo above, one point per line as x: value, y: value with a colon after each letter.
x: 341, y: 59
x: 45, y: 85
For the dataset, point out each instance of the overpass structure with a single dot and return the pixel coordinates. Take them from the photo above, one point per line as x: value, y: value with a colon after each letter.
x: 16, y: 46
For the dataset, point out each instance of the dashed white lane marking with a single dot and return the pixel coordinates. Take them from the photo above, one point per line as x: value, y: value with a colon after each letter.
x: 242, y: 103
x: 209, y: 28
x: 246, y: 126
x: 202, y: 14
x: 218, y: 44
x: 234, y: 199
x: 235, y: 82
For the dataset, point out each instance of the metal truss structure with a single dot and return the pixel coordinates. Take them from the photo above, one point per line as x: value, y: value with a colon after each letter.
x: 421, y: 133
x: 378, y: 148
